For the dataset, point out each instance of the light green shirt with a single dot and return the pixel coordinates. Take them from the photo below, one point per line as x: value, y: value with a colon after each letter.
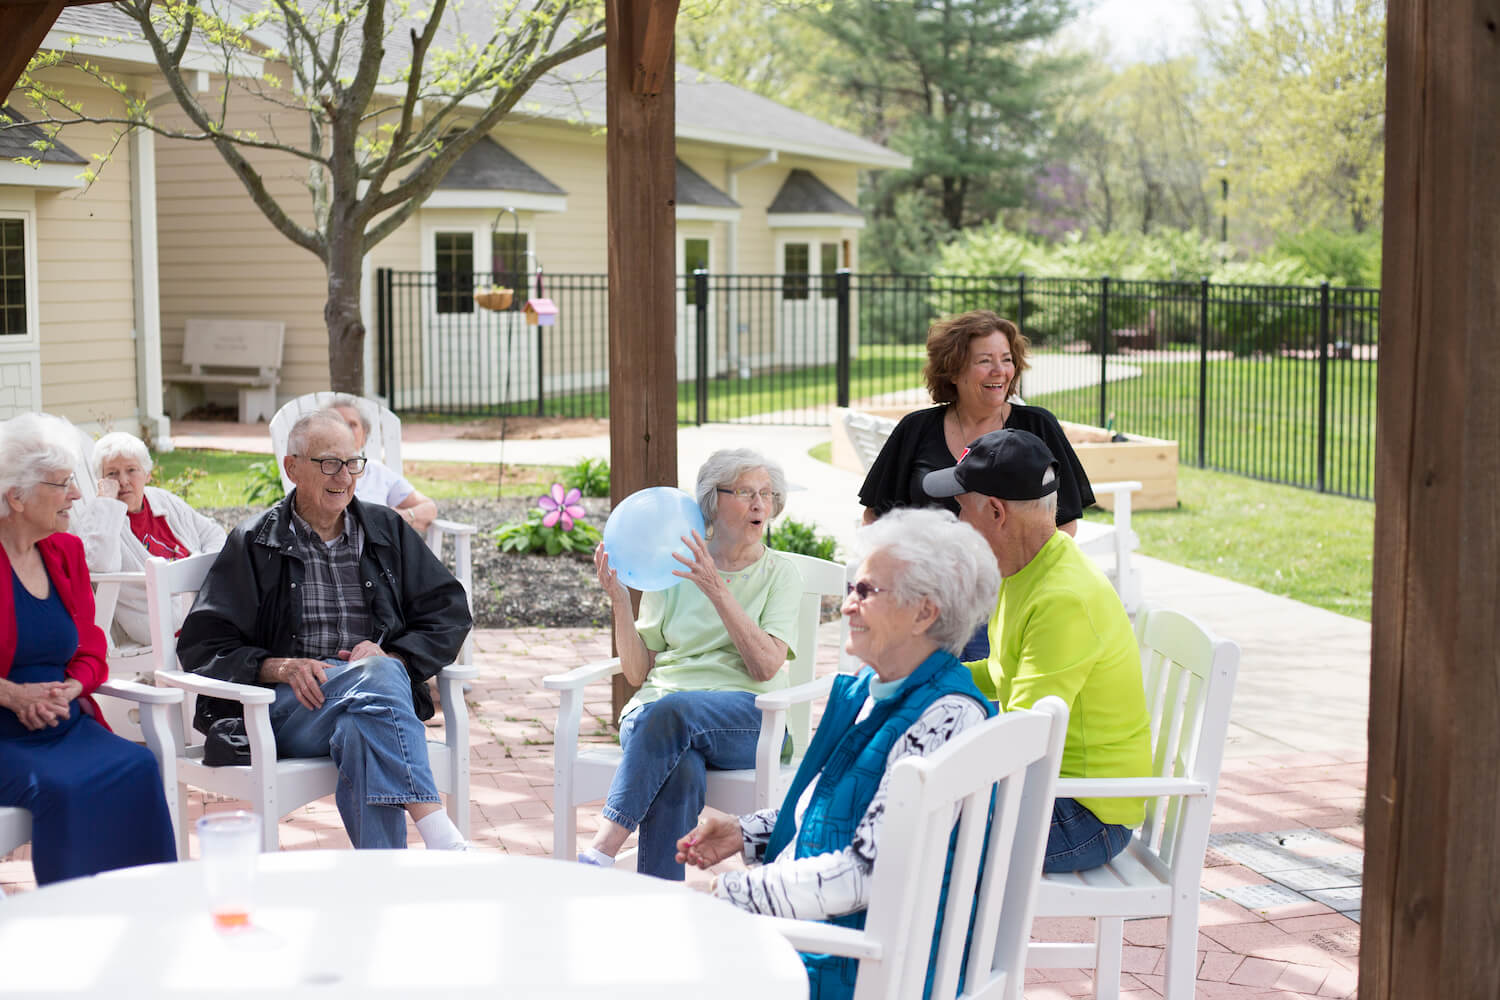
x: 1059, y: 628
x: 692, y: 646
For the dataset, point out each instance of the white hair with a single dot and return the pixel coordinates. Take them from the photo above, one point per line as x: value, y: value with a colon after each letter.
x: 296, y: 439
x: 725, y: 466
x: 118, y: 444
x: 32, y: 445
x: 1041, y: 505
x: 354, y: 403
x: 941, y: 559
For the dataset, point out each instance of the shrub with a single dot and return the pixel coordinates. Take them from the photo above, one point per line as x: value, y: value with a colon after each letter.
x: 182, y: 483
x: 554, y: 526
x: 590, y: 476
x: 802, y: 539
x: 264, y: 487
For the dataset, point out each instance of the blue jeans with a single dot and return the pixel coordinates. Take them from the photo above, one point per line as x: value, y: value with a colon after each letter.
x: 1079, y: 840
x: 368, y: 726
x: 669, y: 745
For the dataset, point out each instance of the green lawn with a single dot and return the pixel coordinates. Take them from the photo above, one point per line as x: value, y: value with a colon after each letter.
x: 224, y: 478
x: 1308, y: 546
x: 1262, y: 416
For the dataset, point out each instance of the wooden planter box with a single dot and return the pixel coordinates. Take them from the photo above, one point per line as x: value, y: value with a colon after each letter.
x: 1151, y: 461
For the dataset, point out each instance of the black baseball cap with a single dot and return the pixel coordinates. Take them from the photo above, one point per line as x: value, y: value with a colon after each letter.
x: 1005, y: 464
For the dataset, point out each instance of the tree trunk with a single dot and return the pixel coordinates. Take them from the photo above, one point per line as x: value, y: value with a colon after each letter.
x: 341, y: 314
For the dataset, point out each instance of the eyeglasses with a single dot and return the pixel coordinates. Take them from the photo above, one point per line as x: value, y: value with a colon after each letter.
x: 66, y: 484
x: 863, y: 591
x: 766, y: 496
x: 331, y: 466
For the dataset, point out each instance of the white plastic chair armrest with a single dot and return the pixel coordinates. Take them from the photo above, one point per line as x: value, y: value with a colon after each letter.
x: 1123, y: 486
x: 459, y: 672
x: 826, y: 939
x: 141, y: 694
x: 452, y: 527
x: 120, y: 577
x: 1128, y: 788
x: 780, y: 701
x: 245, y: 694
x: 581, y: 677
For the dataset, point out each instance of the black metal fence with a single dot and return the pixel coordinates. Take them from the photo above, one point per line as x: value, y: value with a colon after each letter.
x: 1272, y: 382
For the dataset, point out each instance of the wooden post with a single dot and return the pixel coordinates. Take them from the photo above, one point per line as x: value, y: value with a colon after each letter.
x: 641, y: 154
x: 1432, y: 862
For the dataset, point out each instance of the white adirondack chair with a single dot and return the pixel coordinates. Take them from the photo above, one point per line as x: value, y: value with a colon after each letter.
x: 159, y: 709
x: 276, y: 787
x: 384, y: 445
x: 1189, y: 677
x: 583, y: 775
x: 1016, y: 756
x: 1116, y: 541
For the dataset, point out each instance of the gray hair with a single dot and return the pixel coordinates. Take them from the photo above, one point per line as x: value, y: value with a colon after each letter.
x: 354, y: 403
x: 726, y: 465
x: 296, y: 439
x: 942, y: 560
x: 118, y: 444
x: 31, y: 446
x: 1042, y: 505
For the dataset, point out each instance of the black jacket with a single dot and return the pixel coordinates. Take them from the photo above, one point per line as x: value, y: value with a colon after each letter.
x: 248, y: 609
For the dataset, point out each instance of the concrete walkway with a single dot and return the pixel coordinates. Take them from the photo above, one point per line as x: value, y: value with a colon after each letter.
x: 1281, y: 881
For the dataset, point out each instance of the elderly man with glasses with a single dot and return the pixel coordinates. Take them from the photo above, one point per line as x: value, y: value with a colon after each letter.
x: 340, y: 607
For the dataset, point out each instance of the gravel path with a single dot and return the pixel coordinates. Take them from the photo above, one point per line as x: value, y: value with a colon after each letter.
x: 513, y: 591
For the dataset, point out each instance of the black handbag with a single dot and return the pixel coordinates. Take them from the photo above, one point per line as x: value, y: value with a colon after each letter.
x: 226, y: 743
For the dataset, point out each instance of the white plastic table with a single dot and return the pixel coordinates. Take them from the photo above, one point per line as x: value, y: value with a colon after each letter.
x: 388, y: 923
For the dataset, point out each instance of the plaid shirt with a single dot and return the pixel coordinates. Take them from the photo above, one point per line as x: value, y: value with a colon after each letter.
x: 334, y: 613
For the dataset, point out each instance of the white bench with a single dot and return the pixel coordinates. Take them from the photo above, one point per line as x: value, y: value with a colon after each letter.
x: 868, y: 433
x: 239, y: 352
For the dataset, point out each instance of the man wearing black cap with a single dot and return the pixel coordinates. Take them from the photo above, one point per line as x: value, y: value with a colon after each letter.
x: 1058, y: 628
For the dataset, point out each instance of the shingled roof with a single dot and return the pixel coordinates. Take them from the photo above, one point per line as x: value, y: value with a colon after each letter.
x: 803, y: 193
x: 489, y: 166
x: 693, y: 189
x: 17, y: 143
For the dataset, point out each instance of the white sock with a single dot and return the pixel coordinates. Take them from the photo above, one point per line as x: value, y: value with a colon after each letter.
x: 594, y: 856
x: 438, y: 832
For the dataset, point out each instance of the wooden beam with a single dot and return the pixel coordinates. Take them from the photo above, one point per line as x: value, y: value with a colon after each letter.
x: 1431, y: 911
x: 641, y: 157
x: 22, y: 29
x: 653, y: 63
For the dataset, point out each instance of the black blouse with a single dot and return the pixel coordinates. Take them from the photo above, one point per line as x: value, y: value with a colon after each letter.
x: 917, y: 446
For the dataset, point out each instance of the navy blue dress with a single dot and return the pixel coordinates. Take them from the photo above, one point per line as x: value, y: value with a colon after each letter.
x: 95, y: 799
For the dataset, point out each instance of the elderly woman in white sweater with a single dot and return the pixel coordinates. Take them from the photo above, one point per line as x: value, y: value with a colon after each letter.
x: 129, y: 521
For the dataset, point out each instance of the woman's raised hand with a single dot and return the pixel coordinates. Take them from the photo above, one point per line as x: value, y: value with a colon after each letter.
x: 711, y: 841
x: 608, y: 578
x: 701, y: 569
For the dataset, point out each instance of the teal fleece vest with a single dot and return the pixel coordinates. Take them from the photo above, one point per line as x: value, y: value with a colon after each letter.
x: 848, y: 762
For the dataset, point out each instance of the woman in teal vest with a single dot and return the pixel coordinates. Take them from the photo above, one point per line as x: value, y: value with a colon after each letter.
x: 924, y: 582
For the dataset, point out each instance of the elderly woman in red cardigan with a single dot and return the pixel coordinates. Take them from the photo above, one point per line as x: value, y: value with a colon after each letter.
x: 96, y: 800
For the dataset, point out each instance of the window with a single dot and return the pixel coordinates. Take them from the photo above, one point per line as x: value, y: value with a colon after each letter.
x: 694, y: 258
x: 508, y: 265
x: 12, y: 277
x: 830, y: 270
x: 795, y: 268
x: 454, y: 260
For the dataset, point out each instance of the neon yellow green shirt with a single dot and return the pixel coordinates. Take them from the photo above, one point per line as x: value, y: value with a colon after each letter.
x: 1059, y: 629
x: 692, y: 646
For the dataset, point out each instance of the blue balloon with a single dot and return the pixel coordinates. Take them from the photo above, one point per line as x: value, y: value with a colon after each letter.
x: 643, y: 532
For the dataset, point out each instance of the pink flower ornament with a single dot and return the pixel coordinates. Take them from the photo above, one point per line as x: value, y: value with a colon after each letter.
x: 562, y: 506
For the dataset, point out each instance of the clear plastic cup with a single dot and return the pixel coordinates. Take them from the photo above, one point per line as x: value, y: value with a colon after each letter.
x: 229, y: 846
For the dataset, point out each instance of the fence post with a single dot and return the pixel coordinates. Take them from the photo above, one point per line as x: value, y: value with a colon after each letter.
x: 1103, y: 351
x: 841, y: 286
x: 1021, y: 302
x: 700, y: 370
x: 382, y: 317
x: 1203, y: 375
x: 541, y: 403
x: 1323, y: 329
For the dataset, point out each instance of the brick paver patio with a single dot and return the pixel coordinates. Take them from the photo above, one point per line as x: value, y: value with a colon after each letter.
x: 1280, y: 901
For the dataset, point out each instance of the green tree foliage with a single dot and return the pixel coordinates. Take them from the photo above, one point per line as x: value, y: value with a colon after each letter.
x: 382, y: 99
x: 961, y: 86
x: 1298, y: 111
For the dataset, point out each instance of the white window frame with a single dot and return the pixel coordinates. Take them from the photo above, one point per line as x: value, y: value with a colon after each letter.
x: 26, y: 347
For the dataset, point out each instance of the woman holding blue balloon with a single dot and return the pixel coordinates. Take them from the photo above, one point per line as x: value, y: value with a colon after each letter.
x: 701, y: 650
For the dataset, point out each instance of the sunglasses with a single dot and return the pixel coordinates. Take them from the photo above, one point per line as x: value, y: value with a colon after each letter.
x: 863, y: 591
